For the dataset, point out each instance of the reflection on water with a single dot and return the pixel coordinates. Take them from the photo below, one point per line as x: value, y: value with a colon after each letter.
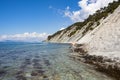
x: 42, y: 61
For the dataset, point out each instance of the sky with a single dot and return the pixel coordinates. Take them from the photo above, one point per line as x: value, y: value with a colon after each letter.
x: 34, y: 20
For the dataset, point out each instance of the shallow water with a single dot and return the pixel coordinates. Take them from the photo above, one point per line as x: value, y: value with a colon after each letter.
x: 43, y: 61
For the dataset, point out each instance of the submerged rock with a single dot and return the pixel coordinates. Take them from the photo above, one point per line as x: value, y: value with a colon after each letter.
x: 21, y: 77
x: 40, y: 71
x: 47, y: 63
x: 37, y: 66
x: 35, y: 60
x: 34, y: 73
x: 2, y: 72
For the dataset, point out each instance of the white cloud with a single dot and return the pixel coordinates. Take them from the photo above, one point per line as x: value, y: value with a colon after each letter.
x: 56, y: 10
x: 27, y: 37
x: 67, y: 7
x: 87, y: 7
x: 62, y: 28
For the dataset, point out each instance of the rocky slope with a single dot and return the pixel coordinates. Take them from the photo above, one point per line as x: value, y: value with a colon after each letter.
x: 70, y: 34
x: 106, y: 37
x: 78, y: 30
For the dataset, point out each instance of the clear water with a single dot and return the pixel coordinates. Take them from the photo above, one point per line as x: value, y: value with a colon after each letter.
x: 43, y: 61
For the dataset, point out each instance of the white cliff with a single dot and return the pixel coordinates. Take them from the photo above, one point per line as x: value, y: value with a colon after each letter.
x: 105, y: 40
x: 101, y: 39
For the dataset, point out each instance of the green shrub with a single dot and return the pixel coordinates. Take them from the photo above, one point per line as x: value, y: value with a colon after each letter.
x: 89, y: 27
x: 98, y: 23
x: 72, y: 33
x: 49, y: 37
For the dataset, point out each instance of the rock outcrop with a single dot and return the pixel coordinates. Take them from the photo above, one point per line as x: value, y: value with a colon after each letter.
x: 102, y: 64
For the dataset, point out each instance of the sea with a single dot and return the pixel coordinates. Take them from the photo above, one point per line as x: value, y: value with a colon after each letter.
x: 43, y: 61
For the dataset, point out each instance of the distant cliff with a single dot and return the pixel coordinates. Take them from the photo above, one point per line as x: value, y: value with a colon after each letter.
x: 81, y: 31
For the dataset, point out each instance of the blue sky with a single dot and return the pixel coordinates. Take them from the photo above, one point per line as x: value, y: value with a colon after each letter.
x: 36, y: 19
x: 19, y: 16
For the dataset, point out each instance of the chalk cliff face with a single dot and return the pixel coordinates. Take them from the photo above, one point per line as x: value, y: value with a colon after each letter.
x: 101, y: 28
x: 65, y: 36
x: 107, y: 36
x: 105, y: 39
x: 73, y: 33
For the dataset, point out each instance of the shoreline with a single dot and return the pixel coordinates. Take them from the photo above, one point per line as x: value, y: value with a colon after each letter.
x: 104, y: 64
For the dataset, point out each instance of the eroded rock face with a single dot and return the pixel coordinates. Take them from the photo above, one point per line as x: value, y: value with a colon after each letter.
x: 107, y: 36
x: 102, y: 64
x: 111, y: 69
x: 80, y: 48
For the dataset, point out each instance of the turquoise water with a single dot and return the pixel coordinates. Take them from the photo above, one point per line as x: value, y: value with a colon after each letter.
x: 43, y: 61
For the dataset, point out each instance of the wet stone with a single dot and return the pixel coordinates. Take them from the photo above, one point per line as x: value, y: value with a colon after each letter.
x: 37, y: 56
x: 44, y: 76
x: 40, y: 71
x: 47, y: 63
x: 34, y: 73
x: 20, y: 77
x: 35, y: 60
x: 19, y: 72
x: 27, y: 61
x: 37, y: 66
x: 6, y: 67
x: 2, y: 72
x: 23, y: 66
